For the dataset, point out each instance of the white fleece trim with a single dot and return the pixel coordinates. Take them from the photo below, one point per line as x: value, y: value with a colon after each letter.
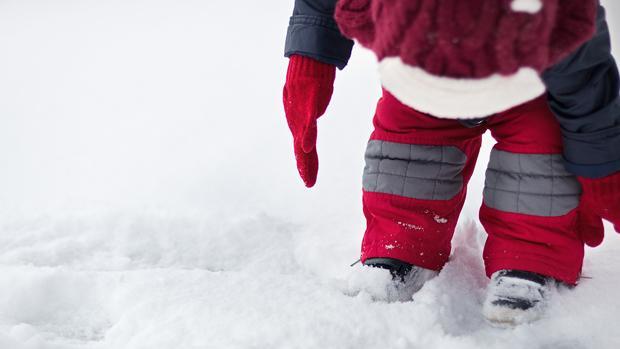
x: 529, y: 6
x: 452, y: 98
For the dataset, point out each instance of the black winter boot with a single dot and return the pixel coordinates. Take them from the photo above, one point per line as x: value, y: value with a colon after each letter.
x: 407, y: 279
x: 516, y: 297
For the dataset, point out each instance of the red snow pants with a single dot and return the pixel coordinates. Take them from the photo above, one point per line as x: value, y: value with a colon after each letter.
x: 415, y: 182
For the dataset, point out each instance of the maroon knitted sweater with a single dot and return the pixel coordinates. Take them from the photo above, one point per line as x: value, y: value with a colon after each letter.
x: 469, y: 38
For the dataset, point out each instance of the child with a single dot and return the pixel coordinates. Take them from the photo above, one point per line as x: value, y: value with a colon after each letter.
x: 452, y: 69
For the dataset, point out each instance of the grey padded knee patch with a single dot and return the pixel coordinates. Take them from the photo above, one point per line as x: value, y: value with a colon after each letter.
x: 414, y: 171
x: 533, y: 184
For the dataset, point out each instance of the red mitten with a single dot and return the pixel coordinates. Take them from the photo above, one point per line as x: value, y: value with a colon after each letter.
x: 307, y: 92
x: 601, y: 197
x: 590, y: 226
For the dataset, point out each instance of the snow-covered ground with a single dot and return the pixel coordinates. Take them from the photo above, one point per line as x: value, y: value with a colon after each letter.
x: 149, y: 199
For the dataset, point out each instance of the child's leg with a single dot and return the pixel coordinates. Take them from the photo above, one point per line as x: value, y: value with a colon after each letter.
x: 530, y: 201
x: 415, y: 179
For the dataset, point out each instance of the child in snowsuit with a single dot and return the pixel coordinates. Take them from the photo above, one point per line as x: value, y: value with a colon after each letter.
x: 450, y: 70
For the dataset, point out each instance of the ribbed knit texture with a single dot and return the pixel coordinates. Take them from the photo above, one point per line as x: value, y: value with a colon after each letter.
x: 468, y: 38
x: 307, y: 92
x: 601, y: 190
x: 601, y: 197
x: 301, y: 66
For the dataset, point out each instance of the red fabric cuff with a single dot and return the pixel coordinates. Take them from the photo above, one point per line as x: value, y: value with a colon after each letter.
x: 602, y: 187
x: 301, y: 66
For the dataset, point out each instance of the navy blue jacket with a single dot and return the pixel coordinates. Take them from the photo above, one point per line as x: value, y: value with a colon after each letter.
x: 582, y: 89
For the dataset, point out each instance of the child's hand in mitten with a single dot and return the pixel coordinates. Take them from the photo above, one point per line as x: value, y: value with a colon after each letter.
x: 601, y: 197
x: 590, y: 226
x: 307, y: 92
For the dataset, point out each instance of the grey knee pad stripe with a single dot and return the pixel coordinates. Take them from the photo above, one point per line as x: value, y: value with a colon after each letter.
x: 414, y: 171
x: 534, y: 184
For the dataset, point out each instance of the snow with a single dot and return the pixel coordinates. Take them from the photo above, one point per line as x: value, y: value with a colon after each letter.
x: 440, y: 219
x: 508, y: 288
x: 149, y: 199
x: 410, y: 226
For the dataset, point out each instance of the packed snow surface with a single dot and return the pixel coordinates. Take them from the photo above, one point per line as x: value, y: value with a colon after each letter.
x: 149, y: 199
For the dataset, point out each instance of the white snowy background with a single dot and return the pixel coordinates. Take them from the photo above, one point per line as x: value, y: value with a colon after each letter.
x: 149, y: 197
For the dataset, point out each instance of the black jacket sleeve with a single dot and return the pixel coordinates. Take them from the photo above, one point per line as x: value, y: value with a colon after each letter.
x: 583, y: 95
x: 313, y: 32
